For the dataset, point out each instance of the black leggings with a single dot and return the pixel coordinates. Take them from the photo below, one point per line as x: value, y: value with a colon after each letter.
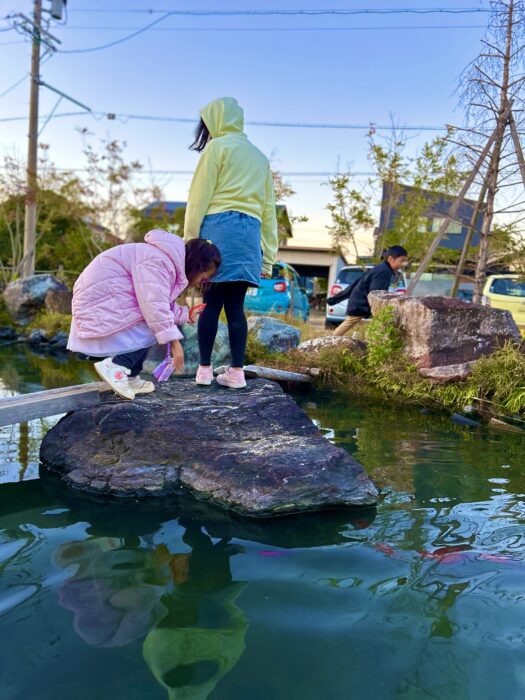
x: 134, y: 361
x: 229, y: 295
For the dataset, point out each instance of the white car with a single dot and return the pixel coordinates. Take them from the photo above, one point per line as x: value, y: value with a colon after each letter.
x: 348, y: 275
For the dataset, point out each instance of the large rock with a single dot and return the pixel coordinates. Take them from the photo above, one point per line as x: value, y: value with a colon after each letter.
x: 59, y: 301
x: 275, y: 335
x: 333, y: 342
x: 254, y: 451
x: 221, y: 350
x: 26, y: 297
x: 440, y: 331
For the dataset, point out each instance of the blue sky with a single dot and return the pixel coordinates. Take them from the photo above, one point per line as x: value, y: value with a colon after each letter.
x: 346, y: 76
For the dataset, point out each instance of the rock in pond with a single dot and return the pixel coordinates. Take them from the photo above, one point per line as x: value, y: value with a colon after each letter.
x: 7, y: 334
x: 275, y: 335
x: 252, y: 451
x: 440, y: 331
x: 25, y: 297
x: 447, y: 373
x: 333, y: 342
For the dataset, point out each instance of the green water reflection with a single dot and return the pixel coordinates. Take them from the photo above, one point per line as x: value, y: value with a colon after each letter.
x: 421, y: 598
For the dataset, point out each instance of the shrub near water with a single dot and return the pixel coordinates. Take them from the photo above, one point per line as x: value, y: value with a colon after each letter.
x: 496, y: 385
x: 51, y: 322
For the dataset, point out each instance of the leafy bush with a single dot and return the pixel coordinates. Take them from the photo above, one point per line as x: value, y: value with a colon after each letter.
x: 51, y: 322
x: 383, y: 337
x: 5, y: 316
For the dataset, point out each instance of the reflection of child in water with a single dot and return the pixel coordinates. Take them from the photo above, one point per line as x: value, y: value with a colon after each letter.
x: 120, y: 594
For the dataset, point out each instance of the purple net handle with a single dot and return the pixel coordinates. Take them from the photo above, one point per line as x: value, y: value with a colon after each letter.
x: 164, y: 371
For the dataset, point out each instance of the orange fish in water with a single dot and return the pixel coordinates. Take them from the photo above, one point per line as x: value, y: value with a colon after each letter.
x: 453, y: 554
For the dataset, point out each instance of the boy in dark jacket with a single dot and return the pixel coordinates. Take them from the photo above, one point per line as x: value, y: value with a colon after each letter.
x: 378, y: 278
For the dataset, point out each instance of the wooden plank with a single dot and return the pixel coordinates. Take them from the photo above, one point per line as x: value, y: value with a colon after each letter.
x: 39, y: 404
x: 276, y: 375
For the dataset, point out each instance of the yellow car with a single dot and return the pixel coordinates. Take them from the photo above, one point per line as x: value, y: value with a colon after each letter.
x: 506, y: 292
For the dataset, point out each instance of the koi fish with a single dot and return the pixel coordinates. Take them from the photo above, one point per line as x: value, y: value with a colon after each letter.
x: 453, y: 554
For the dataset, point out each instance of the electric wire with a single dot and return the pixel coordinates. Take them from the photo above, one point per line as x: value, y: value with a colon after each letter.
x: 298, y: 12
x: 274, y: 124
x: 283, y: 29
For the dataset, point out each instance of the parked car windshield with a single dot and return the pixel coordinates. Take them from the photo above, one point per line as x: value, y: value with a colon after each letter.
x: 350, y: 275
x: 508, y: 287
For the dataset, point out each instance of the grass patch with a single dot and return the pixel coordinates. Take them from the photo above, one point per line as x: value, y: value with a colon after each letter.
x: 5, y: 317
x: 51, y: 322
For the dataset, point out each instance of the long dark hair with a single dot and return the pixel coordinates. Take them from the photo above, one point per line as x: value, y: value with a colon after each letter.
x: 201, y: 255
x: 202, y: 136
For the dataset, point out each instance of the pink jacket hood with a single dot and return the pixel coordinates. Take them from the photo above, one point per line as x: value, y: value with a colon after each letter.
x: 131, y: 283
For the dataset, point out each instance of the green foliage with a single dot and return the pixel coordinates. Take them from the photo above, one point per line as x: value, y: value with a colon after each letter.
x: 283, y: 191
x: 350, y: 212
x: 158, y: 217
x: 500, y: 378
x: 5, y: 316
x: 257, y: 353
x: 383, y: 337
x: 51, y: 322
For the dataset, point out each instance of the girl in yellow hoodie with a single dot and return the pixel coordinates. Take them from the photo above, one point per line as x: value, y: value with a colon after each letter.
x: 232, y: 204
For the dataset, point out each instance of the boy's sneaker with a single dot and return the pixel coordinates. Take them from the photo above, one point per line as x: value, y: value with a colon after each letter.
x: 233, y: 378
x: 141, y: 386
x: 116, y: 376
x: 204, y: 376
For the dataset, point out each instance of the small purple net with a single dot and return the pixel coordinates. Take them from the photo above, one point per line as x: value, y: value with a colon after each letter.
x: 164, y: 371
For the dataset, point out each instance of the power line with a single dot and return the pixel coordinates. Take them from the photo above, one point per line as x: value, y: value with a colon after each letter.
x: 5, y: 92
x: 302, y: 12
x: 119, y: 41
x: 260, y: 13
x: 283, y: 29
x: 285, y: 125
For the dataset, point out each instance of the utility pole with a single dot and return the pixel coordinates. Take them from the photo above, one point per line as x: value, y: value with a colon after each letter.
x: 28, y: 261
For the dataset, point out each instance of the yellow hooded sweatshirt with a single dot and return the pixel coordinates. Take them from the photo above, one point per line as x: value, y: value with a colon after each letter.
x: 232, y: 175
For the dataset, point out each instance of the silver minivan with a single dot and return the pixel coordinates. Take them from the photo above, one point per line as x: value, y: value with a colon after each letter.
x: 336, y: 314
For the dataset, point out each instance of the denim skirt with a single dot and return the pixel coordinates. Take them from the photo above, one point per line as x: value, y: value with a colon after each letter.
x: 238, y: 238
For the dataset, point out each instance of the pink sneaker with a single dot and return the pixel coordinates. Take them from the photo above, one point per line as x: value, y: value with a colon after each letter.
x: 204, y: 376
x: 233, y: 378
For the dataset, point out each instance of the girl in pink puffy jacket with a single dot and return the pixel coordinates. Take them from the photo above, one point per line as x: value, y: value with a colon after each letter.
x: 124, y: 302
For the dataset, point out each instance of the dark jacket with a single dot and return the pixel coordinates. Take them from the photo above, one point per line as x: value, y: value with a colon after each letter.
x: 377, y: 278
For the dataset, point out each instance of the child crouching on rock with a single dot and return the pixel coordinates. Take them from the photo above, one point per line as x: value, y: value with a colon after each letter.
x: 124, y: 302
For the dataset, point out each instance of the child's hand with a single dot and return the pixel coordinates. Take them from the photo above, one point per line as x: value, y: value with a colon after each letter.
x: 178, y: 356
x: 195, y: 311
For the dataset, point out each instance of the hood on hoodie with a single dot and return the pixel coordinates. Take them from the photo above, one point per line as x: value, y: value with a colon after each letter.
x: 223, y: 116
x: 169, y: 243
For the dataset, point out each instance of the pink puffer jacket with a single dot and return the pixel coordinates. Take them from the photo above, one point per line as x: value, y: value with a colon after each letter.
x: 131, y: 283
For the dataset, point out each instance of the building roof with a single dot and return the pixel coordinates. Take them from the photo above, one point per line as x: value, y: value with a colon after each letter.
x: 314, y: 249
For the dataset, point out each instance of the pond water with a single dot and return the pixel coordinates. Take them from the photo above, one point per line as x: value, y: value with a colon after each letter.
x: 420, y: 598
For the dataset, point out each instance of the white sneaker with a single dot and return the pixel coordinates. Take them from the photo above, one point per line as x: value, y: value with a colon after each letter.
x: 141, y: 386
x: 116, y: 376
